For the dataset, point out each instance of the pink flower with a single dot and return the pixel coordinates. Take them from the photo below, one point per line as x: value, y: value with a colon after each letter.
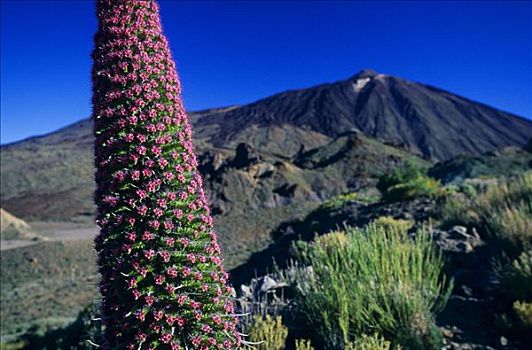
x: 126, y: 247
x: 159, y: 280
x: 195, y: 304
x: 170, y: 319
x: 186, y: 271
x: 151, y: 128
x: 155, y: 328
x: 217, y: 319
x: 170, y: 241
x: 158, y: 315
x: 216, y: 260
x: 129, y: 137
x: 111, y: 200
x: 140, y: 315
x: 150, y: 299
x: 196, y: 341
x: 147, y: 172
x: 168, y: 225
x: 147, y: 236
x: 172, y: 272
x: 141, y: 337
x: 136, y: 294
x: 165, y: 256
x: 142, y: 210
x: 120, y: 176
x: 143, y: 271
x: 184, y: 241
x: 170, y: 289
x: 182, y: 299
x: 228, y: 307
x: 154, y: 224
x: 141, y: 150
x: 149, y: 254
x: 165, y: 338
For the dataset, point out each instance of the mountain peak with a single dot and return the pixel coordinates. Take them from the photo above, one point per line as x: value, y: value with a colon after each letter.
x: 365, y: 73
x: 363, y: 77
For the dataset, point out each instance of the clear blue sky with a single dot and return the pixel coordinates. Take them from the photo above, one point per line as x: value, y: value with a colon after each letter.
x: 237, y: 52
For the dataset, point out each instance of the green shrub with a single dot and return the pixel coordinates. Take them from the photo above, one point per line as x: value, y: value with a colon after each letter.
x: 421, y: 187
x: 457, y: 209
x: 16, y: 345
x: 502, y: 210
x: 523, y: 311
x: 339, y: 201
x: 373, y: 342
x: 517, y: 322
x: 512, y: 225
x: 400, y: 175
x: 332, y: 241
x: 516, y: 278
x: 303, y: 344
x: 407, y: 182
x: 506, y: 211
x: 389, y: 223
x: 268, y: 333
x: 378, y: 281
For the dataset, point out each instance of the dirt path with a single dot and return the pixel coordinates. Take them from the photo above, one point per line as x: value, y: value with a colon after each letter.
x: 53, y: 231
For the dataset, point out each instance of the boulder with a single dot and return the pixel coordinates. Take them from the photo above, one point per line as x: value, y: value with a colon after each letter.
x: 245, y: 155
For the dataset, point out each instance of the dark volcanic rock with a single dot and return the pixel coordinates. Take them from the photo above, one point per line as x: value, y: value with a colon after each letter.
x: 245, y: 156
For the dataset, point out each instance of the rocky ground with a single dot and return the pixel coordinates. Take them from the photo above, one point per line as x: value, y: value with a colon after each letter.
x: 466, y: 321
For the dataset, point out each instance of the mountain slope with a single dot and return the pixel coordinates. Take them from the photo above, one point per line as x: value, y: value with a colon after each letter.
x: 429, y: 121
x: 50, y: 177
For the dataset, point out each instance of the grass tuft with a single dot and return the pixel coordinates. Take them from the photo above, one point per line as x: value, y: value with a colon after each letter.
x: 376, y: 280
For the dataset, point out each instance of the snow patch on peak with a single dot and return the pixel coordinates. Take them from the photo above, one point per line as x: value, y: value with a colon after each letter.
x: 359, y: 84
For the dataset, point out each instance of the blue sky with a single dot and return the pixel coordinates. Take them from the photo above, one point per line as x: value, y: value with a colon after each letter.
x: 237, y: 52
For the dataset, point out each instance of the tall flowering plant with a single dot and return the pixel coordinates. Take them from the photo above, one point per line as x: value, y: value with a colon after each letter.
x: 163, y: 285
